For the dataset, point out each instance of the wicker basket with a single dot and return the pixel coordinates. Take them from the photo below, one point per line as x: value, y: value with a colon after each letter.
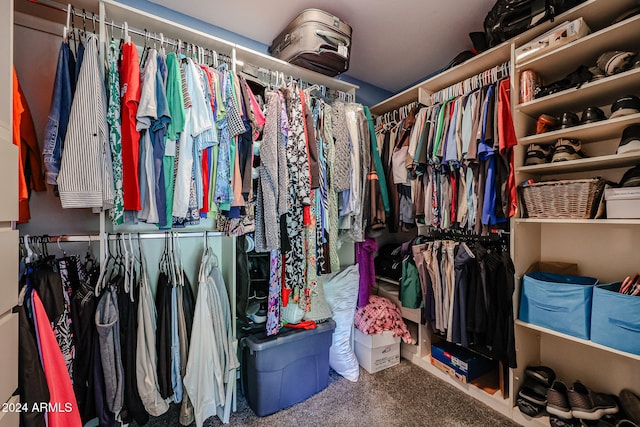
x: 577, y: 198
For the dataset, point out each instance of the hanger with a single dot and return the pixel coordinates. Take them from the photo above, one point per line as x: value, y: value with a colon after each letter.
x: 127, y: 37
x: 84, y: 23
x: 64, y: 254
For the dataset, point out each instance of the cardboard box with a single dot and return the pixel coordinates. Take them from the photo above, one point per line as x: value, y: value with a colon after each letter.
x: 377, y: 352
x: 462, y: 364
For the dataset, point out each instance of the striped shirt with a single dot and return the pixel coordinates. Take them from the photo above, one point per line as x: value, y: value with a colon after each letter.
x: 85, y: 179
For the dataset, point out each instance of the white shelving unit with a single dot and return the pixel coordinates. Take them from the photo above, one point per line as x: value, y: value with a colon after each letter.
x: 602, y: 248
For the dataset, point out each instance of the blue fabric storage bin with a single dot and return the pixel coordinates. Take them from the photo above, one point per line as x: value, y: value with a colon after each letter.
x: 615, y: 319
x: 558, y: 302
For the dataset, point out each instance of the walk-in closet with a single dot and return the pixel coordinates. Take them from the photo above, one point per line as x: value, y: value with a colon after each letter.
x: 199, y: 228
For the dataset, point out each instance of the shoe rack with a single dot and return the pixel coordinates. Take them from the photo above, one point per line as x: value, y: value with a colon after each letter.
x: 602, y: 248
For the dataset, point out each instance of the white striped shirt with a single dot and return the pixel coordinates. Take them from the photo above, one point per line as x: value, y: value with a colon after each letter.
x: 86, y: 175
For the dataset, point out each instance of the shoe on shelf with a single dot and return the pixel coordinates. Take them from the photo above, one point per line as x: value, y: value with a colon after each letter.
x: 630, y: 140
x: 542, y: 374
x: 591, y: 115
x: 557, y: 401
x: 630, y: 405
x: 615, y: 61
x: 568, y: 120
x: 563, y: 422
x: 538, y: 154
x: 534, y: 392
x: 529, y: 408
x: 546, y: 123
x: 567, y: 149
x: 589, y: 405
x: 625, y: 106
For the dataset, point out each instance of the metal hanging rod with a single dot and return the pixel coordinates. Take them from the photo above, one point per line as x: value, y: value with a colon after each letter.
x: 180, y: 234
x: 47, y: 238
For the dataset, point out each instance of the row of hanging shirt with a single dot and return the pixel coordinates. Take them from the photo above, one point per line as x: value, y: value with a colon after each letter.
x: 168, y: 140
x: 117, y: 352
x: 452, y: 163
x: 314, y: 159
x: 464, y: 285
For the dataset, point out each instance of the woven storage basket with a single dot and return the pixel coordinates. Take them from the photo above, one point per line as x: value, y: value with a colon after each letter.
x: 577, y: 198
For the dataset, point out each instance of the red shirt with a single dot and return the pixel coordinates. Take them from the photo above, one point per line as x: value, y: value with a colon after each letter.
x: 130, y: 97
x: 507, y: 138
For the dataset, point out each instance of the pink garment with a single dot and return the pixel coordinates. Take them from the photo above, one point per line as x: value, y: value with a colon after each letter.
x: 257, y: 112
x: 381, y: 315
x: 63, y: 405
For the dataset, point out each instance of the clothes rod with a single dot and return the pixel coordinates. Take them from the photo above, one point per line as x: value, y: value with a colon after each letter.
x: 63, y: 238
x: 180, y: 234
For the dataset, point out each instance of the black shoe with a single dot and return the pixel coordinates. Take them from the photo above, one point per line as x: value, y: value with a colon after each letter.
x: 538, y: 154
x: 529, y: 408
x: 589, y: 405
x: 557, y: 401
x: 591, y: 115
x: 534, y: 392
x: 567, y: 149
x: 542, y: 374
x: 562, y: 422
x: 568, y: 120
x: 630, y: 405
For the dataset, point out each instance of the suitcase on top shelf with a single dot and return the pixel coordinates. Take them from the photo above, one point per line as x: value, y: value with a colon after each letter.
x: 315, y: 40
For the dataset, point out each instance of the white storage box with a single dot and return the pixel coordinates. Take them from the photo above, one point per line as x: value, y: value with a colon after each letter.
x: 377, y: 352
x: 622, y: 202
x: 560, y: 35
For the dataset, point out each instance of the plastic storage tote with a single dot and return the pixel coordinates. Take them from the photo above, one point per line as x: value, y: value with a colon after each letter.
x: 615, y: 319
x: 558, y: 302
x: 284, y: 369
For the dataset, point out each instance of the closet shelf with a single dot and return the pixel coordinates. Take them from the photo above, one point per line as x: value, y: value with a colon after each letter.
x: 559, y: 62
x: 592, y: 132
x: 601, y: 93
x: 494, y: 401
x: 593, y: 163
x: 577, y: 340
x: 635, y: 221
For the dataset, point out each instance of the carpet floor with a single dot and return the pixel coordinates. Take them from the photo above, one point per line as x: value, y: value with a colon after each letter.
x: 404, y: 395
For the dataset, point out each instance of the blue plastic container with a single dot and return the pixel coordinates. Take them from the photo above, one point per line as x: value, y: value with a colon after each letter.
x: 615, y: 319
x: 282, y: 370
x: 558, y: 302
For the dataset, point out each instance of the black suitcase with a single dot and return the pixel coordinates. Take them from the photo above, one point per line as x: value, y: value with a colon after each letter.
x: 315, y: 40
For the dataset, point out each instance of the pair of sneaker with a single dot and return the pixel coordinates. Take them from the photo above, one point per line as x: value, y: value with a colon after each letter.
x: 578, y: 402
x: 563, y: 150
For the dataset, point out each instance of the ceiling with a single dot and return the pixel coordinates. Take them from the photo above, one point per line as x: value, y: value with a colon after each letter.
x: 394, y: 43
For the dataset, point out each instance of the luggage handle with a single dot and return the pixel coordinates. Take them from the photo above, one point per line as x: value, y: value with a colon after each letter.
x: 624, y: 325
x: 332, y: 39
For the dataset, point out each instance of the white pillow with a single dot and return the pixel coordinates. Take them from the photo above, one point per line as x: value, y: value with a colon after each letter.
x: 319, y: 309
x: 341, y: 293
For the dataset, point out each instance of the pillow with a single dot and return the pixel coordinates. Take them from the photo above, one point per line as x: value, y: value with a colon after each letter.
x: 319, y: 309
x: 341, y: 292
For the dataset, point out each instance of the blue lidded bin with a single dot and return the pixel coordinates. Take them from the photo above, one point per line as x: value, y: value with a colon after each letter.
x: 615, y: 319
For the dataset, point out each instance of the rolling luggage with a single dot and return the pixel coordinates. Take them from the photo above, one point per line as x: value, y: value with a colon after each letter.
x: 315, y: 40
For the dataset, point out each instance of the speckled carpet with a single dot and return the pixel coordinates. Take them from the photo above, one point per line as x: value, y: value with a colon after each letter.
x: 404, y: 395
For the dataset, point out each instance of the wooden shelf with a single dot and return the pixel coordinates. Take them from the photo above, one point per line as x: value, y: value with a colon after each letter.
x: 601, y: 92
x: 577, y: 340
x: 559, y: 62
x: 592, y: 132
x: 494, y: 401
x: 634, y: 221
x: 592, y: 163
